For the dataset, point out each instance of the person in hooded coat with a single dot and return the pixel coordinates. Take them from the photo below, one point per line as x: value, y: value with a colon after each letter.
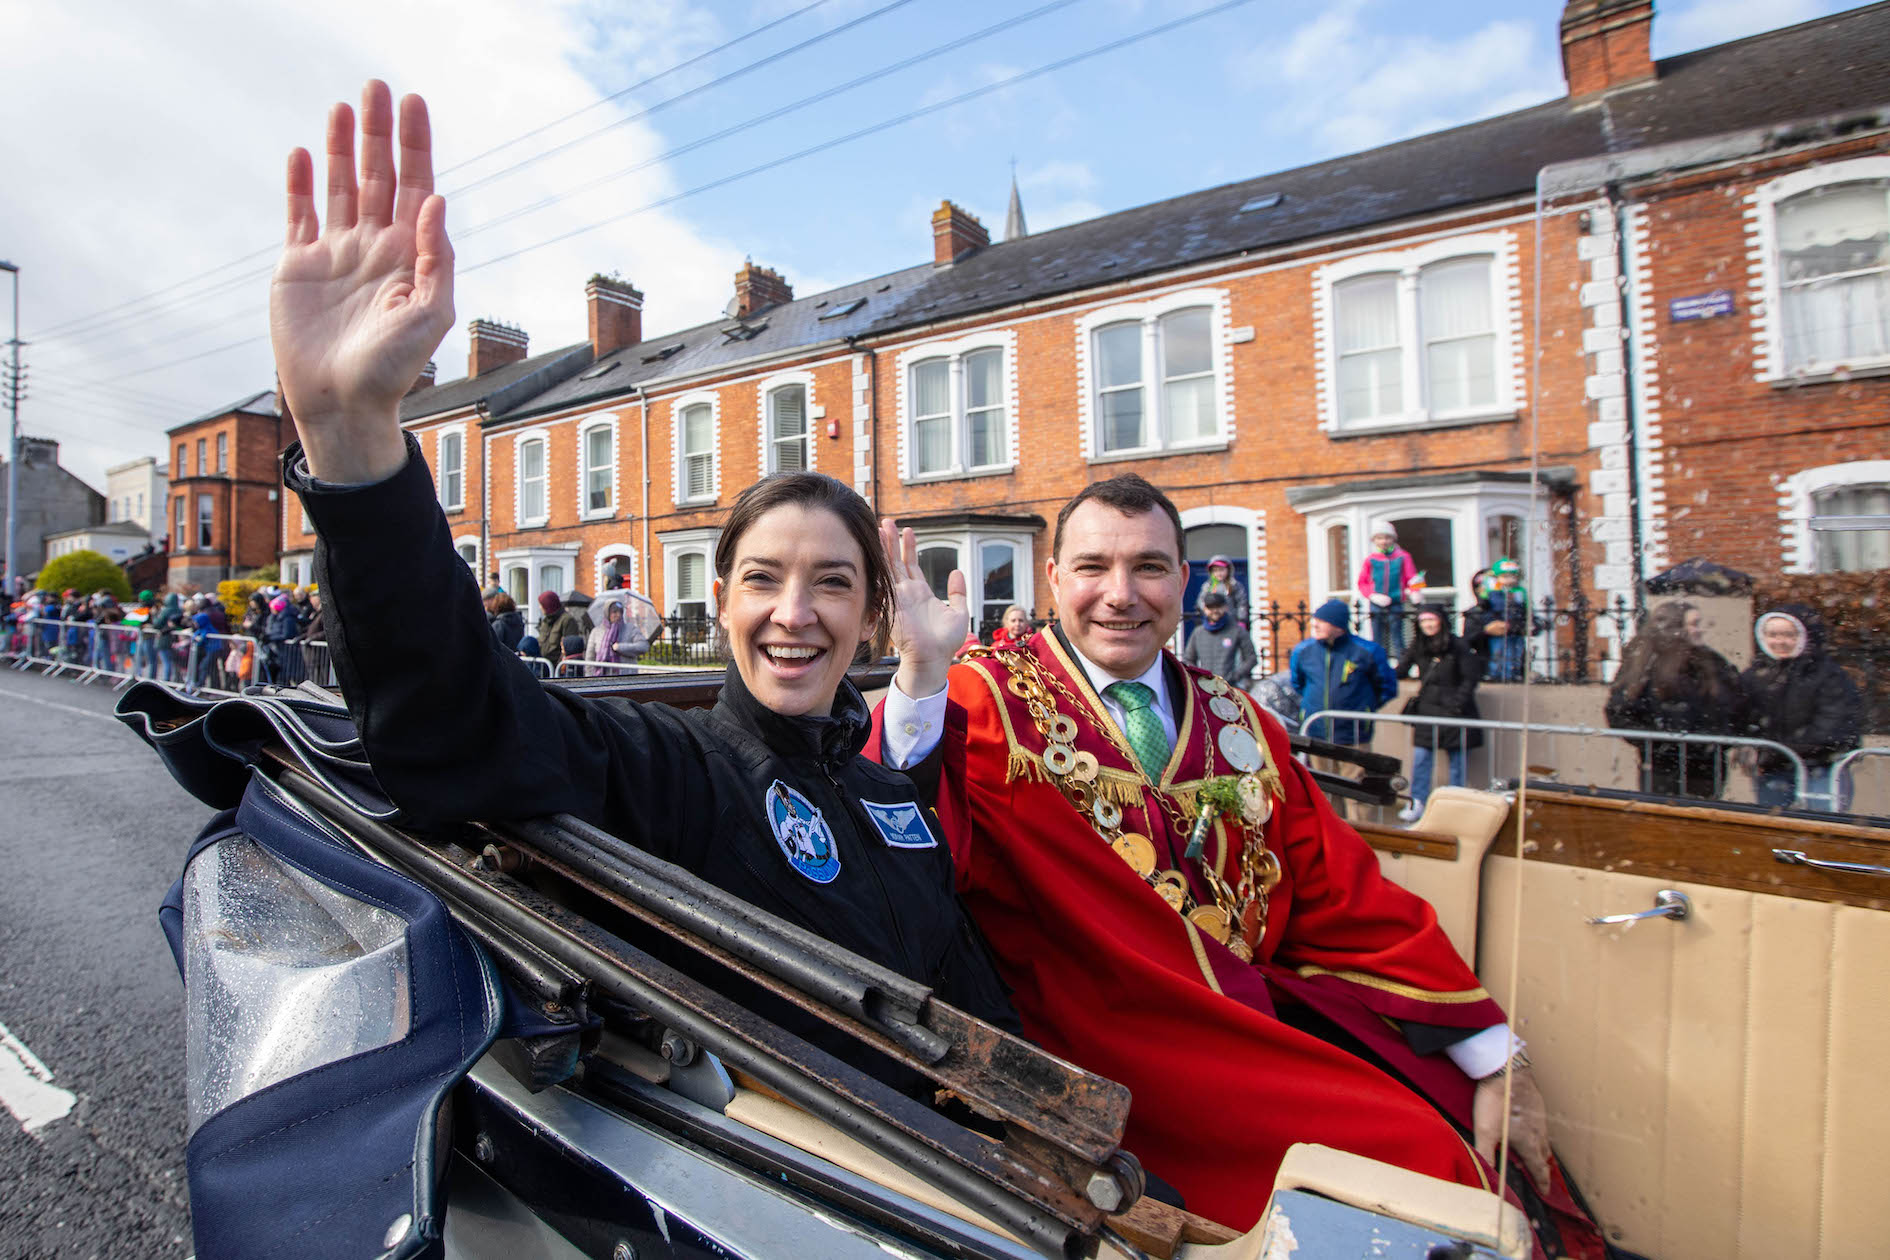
x: 558, y: 624
x: 1220, y: 577
x: 1671, y: 681
x: 1448, y: 672
x: 1796, y: 695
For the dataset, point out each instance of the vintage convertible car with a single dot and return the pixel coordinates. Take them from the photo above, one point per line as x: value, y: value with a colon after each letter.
x: 1700, y: 987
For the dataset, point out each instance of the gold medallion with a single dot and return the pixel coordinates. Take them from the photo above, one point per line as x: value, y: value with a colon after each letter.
x: 1224, y: 708
x: 1061, y: 728
x: 1019, y: 687
x: 1086, y: 767
x: 1240, y: 748
x: 1059, y: 759
x: 1256, y: 805
x: 1108, y: 816
x: 1137, y: 850
x: 1212, y: 920
x: 1173, y: 887
x: 1240, y: 949
x: 1214, y: 686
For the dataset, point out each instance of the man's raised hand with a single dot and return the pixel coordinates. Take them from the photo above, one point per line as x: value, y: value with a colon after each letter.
x: 359, y: 303
x: 927, y: 631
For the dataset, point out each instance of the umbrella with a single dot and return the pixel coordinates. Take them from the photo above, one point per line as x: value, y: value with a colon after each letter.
x: 638, y: 611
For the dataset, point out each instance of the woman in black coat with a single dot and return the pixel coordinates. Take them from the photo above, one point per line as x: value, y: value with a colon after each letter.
x: 502, y: 614
x: 1670, y: 681
x: 1447, y: 671
x: 1801, y: 698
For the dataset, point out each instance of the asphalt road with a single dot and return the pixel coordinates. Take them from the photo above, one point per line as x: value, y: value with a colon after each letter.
x: 92, y: 832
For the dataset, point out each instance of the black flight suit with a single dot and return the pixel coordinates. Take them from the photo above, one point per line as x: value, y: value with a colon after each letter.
x: 458, y: 729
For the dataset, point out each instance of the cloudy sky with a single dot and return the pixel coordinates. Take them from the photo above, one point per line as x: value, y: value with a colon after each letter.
x: 146, y: 143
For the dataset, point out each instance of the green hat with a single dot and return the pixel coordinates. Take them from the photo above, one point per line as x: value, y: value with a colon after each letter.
x: 145, y: 597
x: 1505, y: 568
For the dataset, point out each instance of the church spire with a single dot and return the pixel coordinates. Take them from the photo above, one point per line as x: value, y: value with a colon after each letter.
x: 1014, y: 228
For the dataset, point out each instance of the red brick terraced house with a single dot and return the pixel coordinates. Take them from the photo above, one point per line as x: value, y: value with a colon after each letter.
x: 225, y: 495
x: 1668, y: 292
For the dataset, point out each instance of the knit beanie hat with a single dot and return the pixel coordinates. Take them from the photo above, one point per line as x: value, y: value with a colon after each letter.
x: 548, y: 600
x: 1334, y: 613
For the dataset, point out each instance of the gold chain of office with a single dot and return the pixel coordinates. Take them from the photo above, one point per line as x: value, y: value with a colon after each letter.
x: 1239, y: 913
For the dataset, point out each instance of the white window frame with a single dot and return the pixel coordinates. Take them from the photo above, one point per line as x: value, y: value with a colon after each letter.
x: 685, y: 542
x: 585, y: 428
x: 968, y: 540
x: 450, y: 502
x: 1796, y: 497
x: 1406, y: 264
x: 472, y: 540
x: 223, y: 454
x: 679, y: 469
x: 180, y: 523
x: 562, y: 555
x: 954, y: 352
x: 1148, y: 313
x: 815, y: 413
x: 1469, y: 506
x: 518, y: 478
x: 613, y: 551
x: 1768, y: 328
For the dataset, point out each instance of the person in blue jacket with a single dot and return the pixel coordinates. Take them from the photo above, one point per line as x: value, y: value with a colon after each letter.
x: 1336, y: 669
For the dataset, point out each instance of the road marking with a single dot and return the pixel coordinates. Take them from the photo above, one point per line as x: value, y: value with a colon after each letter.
x: 63, y: 708
x: 26, y: 1085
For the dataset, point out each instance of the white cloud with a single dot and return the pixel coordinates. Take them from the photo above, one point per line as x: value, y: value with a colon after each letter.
x: 157, y: 136
x: 1341, y: 79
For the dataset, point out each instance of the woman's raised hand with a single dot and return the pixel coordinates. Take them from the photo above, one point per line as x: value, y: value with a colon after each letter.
x: 360, y: 302
x: 927, y: 631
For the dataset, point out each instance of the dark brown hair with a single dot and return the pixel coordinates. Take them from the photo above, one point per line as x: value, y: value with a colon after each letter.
x: 1131, y: 495
x: 816, y: 490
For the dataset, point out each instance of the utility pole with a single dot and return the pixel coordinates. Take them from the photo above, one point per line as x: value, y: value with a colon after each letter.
x: 13, y: 443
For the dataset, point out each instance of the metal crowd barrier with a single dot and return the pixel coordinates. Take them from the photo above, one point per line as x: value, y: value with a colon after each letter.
x: 1803, y: 797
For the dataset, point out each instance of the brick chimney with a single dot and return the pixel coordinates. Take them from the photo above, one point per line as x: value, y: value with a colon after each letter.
x: 493, y: 346
x: 758, y: 288
x: 955, y: 233
x: 426, y: 378
x: 1606, y: 44
x: 616, y: 309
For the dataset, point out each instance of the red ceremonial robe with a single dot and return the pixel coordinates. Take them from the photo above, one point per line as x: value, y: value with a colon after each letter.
x: 1105, y: 974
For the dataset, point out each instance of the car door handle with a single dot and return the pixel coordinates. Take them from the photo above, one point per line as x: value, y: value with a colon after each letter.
x: 1798, y: 857
x: 1668, y: 904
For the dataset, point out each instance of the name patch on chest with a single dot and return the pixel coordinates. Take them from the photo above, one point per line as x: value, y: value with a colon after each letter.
x: 902, y: 824
x: 804, y: 836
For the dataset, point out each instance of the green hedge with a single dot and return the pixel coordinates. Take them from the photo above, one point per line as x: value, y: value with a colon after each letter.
x: 85, y: 572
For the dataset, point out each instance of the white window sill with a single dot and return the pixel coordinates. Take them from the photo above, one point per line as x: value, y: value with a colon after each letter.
x: 700, y: 500
x: 601, y: 514
x: 1833, y: 375
x: 533, y: 524
x: 452, y: 507
x: 1157, y: 452
x: 1369, y: 428
x: 959, y: 474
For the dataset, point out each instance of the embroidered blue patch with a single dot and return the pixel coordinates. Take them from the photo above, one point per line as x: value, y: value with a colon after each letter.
x: 902, y: 824
x: 804, y: 836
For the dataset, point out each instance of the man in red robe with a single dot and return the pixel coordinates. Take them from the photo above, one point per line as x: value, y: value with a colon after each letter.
x: 1267, y: 987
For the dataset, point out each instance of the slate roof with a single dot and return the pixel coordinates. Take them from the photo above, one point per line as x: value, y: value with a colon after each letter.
x: 470, y: 390
x: 262, y: 403
x: 1812, y: 70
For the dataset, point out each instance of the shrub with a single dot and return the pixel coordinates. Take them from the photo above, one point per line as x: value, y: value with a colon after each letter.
x: 267, y: 573
x: 234, y: 596
x: 85, y: 572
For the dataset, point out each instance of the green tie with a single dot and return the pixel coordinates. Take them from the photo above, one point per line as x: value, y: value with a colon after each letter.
x: 1140, y: 723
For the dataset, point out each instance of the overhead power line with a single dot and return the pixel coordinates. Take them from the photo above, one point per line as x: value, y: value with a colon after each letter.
x: 873, y: 129
x: 61, y: 329
x: 767, y: 117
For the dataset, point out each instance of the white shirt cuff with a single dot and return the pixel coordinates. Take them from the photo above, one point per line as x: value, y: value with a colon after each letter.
x: 1480, y: 1054
x: 910, y: 729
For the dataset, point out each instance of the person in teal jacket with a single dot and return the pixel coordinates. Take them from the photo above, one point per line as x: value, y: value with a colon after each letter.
x: 1336, y: 669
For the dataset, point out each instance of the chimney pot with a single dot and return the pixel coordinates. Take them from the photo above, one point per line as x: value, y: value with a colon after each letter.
x: 616, y: 313
x: 493, y: 346
x: 758, y: 288
x: 426, y: 378
x: 956, y: 232
x: 1606, y: 44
